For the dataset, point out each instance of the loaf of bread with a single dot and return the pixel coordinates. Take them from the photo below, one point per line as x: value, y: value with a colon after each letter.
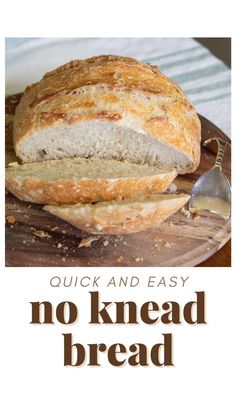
x: 72, y: 180
x: 100, y: 141
x: 120, y: 217
x: 108, y: 107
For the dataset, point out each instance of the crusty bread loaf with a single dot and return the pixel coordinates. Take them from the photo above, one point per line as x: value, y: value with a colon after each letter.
x: 108, y: 107
x: 69, y: 181
x: 120, y: 217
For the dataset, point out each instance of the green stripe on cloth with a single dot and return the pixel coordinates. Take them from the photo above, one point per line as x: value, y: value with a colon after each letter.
x: 208, y: 87
x: 200, y: 73
x: 171, y: 54
x: 210, y: 99
x: 184, y: 61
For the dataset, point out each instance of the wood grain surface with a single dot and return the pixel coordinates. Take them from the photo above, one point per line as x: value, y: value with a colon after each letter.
x: 36, y: 238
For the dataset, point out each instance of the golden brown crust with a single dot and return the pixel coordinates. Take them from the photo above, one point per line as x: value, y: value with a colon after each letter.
x: 58, y: 98
x: 119, y: 219
x: 85, y: 189
x: 47, y: 118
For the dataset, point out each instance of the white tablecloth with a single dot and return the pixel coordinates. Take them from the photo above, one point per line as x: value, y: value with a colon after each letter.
x: 204, y: 78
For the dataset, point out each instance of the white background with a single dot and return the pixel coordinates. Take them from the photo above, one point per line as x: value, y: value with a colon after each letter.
x: 198, y: 386
x: 34, y: 381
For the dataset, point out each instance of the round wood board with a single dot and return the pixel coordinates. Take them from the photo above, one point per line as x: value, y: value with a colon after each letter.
x: 37, y: 238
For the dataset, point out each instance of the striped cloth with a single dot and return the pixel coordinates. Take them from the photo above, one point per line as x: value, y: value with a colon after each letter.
x: 204, y: 78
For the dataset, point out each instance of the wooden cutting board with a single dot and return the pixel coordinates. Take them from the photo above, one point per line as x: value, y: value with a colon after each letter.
x: 36, y: 238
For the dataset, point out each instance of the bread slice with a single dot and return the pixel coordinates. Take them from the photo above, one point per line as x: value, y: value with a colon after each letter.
x: 69, y: 181
x: 120, y: 217
x: 108, y: 107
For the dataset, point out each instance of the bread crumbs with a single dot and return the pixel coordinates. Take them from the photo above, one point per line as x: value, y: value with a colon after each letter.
x: 119, y: 259
x: 86, y: 242
x: 185, y: 212
x: 10, y: 219
x: 42, y: 234
x: 13, y: 164
x: 105, y: 243
x: 138, y: 259
x: 196, y: 216
x: 54, y: 228
x: 169, y: 245
x: 59, y: 245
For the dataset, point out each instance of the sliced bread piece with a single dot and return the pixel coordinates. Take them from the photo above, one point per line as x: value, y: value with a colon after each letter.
x: 108, y: 107
x: 120, y: 217
x: 69, y: 181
